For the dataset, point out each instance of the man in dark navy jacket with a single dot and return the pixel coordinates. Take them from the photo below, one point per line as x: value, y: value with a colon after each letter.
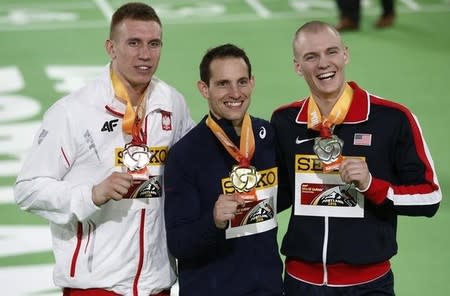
x: 349, y: 163
x: 221, y: 185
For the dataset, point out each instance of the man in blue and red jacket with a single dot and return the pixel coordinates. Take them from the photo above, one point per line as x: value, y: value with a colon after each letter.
x: 349, y: 163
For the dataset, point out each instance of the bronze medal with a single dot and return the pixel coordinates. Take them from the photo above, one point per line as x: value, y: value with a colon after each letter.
x: 135, y: 157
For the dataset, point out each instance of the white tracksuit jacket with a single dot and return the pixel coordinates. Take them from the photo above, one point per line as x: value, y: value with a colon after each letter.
x: 121, y: 245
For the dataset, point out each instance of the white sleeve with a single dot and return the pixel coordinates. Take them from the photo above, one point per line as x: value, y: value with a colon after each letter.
x: 186, y: 123
x: 40, y: 187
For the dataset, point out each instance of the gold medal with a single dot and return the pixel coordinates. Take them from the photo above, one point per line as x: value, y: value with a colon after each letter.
x: 244, y: 179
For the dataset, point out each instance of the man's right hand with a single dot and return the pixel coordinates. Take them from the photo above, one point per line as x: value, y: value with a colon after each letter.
x: 225, y: 209
x: 115, y: 186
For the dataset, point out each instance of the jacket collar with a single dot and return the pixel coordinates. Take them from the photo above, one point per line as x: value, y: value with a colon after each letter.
x: 359, y: 109
x: 158, y: 96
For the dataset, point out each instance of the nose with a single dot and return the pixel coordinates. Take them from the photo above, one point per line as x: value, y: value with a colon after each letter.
x: 144, y: 53
x: 323, y: 62
x: 235, y: 93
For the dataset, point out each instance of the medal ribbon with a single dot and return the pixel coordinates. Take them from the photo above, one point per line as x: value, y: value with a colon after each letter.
x: 337, y: 115
x: 132, y: 120
x: 244, y: 153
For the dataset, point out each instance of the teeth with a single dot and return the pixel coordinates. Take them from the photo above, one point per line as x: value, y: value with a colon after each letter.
x: 326, y: 75
x: 233, y: 104
x: 144, y: 67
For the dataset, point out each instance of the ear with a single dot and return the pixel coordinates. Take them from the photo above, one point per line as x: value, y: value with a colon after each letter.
x: 346, y: 55
x: 109, y: 46
x: 253, y: 81
x: 203, y: 89
x: 298, y: 68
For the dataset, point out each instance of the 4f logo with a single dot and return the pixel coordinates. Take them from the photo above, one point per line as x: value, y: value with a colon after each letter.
x: 108, y: 126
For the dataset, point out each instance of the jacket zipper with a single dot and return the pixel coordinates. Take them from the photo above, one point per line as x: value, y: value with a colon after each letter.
x: 324, y: 251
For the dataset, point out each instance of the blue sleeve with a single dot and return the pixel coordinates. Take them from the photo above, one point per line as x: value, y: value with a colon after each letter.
x: 190, y: 229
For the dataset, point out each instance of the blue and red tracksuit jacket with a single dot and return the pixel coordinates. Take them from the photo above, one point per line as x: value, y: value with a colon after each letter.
x: 404, y: 182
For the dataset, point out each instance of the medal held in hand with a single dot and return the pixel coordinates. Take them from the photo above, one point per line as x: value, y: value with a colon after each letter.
x: 135, y: 155
x: 135, y: 159
x: 244, y: 180
x: 244, y: 177
x: 328, y: 148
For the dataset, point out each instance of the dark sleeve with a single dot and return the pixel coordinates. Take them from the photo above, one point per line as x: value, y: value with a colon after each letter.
x: 284, y: 196
x: 416, y: 191
x: 190, y: 231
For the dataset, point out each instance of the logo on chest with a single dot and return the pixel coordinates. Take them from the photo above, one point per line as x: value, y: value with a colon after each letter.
x: 166, y: 121
x: 109, y: 125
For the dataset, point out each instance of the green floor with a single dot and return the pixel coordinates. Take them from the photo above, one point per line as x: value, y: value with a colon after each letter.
x: 40, y: 39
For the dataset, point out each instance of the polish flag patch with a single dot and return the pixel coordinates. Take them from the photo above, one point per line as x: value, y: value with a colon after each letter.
x: 166, y: 121
x: 362, y: 140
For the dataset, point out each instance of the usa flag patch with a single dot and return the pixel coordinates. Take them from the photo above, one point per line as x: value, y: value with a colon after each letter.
x: 362, y: 139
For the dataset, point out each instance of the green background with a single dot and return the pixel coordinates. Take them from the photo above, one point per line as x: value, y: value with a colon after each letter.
x: 408, y: 64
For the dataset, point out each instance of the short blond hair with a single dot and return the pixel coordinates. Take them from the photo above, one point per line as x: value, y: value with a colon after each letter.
x: 314, y: 27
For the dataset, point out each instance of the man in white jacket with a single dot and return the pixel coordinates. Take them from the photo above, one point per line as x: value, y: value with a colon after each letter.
x: 96, y: 164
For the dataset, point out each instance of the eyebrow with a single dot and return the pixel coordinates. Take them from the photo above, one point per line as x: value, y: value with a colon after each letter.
x: 223, y: 81
x: 327, y: 49
x: 140, y: 39
x: 333, y: 47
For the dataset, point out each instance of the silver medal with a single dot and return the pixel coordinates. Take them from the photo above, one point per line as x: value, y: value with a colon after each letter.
x: 328, y: 149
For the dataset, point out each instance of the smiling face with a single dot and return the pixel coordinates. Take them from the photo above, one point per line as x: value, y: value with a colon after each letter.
x: 135, y: 51
x: 229, y: 88
x: 320, y: 57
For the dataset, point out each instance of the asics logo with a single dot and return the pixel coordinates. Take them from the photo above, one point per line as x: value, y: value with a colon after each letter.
x: 262, y: 132
x: 300, y: 141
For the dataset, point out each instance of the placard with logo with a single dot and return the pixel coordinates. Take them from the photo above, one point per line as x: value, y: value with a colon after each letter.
x: 324, y: 194
x: 258, y: 214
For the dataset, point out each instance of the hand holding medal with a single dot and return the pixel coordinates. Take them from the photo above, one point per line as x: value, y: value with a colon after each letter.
x: 136, y: 155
